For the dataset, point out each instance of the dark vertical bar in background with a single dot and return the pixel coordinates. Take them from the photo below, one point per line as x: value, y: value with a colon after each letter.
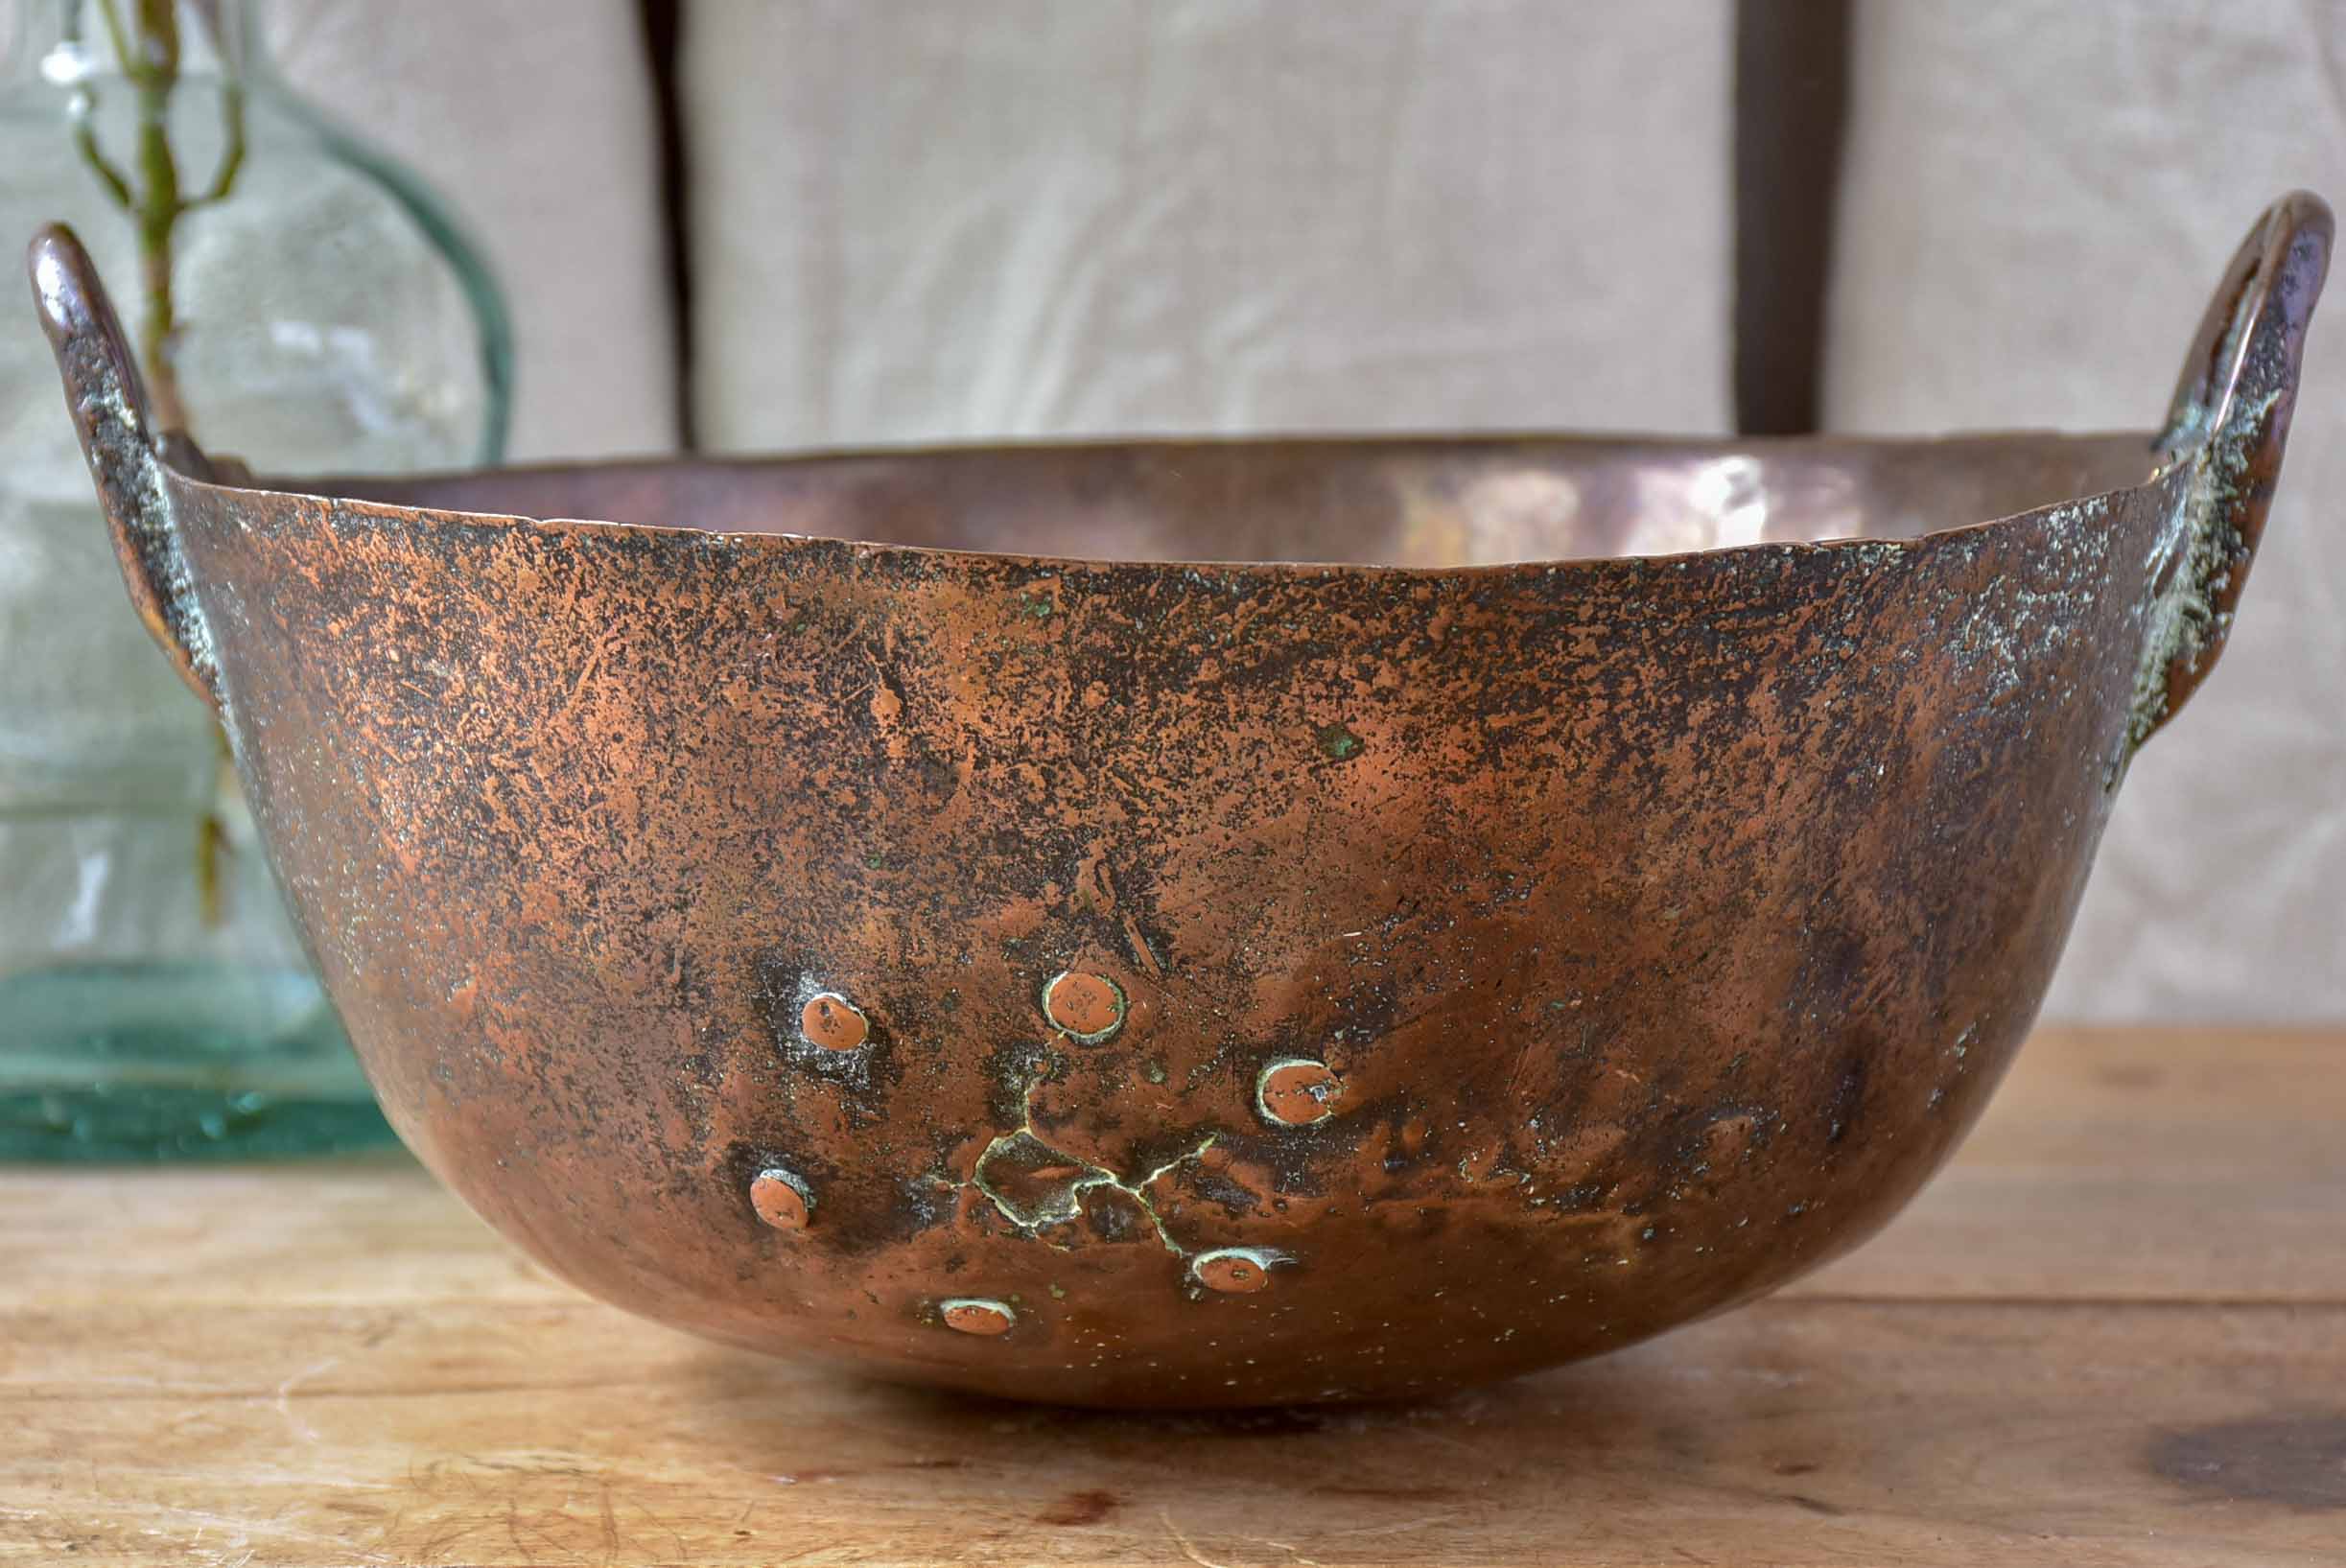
x: 663, y: 31
x: 1792, y: 90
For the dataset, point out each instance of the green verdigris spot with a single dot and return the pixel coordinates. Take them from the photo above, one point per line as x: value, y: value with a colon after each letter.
x: 1338, y: 743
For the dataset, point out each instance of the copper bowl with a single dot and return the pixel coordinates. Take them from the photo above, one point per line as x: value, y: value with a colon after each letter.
x: 1059, y: 966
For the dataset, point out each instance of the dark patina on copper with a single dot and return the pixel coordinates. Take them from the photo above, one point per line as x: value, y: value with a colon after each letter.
x: 1066, y: 967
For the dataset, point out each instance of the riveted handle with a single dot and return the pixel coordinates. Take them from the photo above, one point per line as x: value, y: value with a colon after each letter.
x: 2228, y: 424
x: 125, y: 454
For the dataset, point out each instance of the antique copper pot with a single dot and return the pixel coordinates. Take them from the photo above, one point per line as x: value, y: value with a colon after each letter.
x: 1022, y: 920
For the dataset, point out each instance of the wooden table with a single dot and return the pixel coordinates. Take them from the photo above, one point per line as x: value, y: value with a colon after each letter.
x: 2113, y: 1332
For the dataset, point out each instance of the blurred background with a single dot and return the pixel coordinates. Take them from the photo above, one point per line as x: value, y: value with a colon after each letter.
x: 744, y: 226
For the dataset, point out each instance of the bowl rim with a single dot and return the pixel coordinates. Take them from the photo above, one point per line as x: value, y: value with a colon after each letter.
x: 2158, y: 468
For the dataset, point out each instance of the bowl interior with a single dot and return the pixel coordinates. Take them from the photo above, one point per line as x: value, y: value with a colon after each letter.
x: 1406, y: 502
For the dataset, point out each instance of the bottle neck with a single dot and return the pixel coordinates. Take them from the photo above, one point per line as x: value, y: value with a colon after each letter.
x: 63, y: 42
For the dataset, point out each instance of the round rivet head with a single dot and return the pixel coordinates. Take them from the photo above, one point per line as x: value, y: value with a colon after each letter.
x: 1085, y: 1007
x: 1234, y: 1271
x: 782, y: 1200
x: 1297, y: 1092
x: 975, y: 1315
x: 832, y: 1022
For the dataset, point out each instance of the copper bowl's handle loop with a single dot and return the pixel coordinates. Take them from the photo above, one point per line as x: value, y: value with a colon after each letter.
x: 2229, y: 421
x: 126, y: 454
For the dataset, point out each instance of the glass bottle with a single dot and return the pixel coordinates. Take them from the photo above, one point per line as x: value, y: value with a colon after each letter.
x: 306, y: 305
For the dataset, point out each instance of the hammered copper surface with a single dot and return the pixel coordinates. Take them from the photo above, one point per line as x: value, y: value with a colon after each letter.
x: 1204, y: 984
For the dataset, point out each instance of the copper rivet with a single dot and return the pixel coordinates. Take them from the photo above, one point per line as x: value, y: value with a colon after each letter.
x: 973, y: 1315
x: 781, y: 1199
x: 1297, y: 1092
x: 832, y: 1021
x: 1235, y: 1270
x: 1086, y: 1007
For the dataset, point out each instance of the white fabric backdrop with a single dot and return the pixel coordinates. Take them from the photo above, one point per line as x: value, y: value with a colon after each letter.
x: 2039, y: 198
x: 931, y: 219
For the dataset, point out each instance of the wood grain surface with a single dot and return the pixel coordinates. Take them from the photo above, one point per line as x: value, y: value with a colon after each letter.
x: 2114, y: 1332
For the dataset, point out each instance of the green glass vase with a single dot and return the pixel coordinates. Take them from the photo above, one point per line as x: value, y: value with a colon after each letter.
x: 308, y: 306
